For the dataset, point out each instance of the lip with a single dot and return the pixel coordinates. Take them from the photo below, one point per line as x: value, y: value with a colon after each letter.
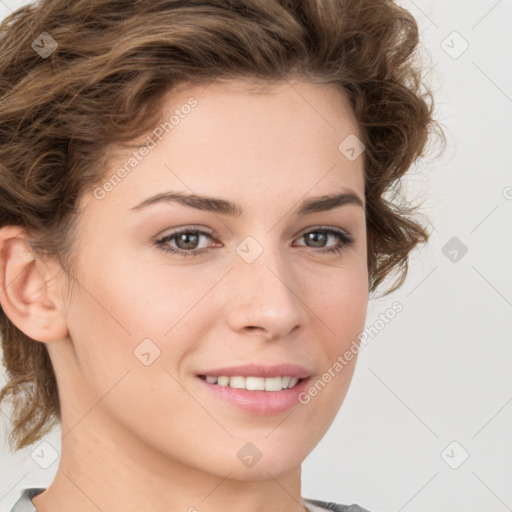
x: 256, y: 370
x: 263, y: 403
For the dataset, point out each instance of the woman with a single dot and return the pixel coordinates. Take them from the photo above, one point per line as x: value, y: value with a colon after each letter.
x: 193, y: 216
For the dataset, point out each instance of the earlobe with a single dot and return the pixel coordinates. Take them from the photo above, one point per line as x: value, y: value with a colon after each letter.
x: 25, y: 297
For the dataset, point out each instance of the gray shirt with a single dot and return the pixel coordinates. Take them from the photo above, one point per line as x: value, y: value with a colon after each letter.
x: 24, y: 504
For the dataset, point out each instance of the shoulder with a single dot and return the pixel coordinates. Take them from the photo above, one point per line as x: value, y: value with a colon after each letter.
x: 320, y: 506
x: 24, y: 504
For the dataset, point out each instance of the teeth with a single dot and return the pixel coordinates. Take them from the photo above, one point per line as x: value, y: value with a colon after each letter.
x: 222, y: 381
x: 254, y: 383
x: 273, y: 384
x: 293, y: 381
x: 237, y: 382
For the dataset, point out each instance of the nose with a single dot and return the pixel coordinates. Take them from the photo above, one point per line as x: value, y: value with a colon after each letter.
x: 265, y: 296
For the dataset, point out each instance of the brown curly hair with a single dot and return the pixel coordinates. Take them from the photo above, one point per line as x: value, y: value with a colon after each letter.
x: 105, y: 82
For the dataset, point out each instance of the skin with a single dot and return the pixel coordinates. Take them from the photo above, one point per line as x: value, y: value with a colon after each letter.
x: 139, y: 437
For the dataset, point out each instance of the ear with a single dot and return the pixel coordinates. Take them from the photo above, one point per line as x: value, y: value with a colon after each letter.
x: 29, y: 295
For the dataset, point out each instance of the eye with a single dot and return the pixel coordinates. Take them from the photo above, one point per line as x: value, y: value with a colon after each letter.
x: 187, y: 241
x: 344, y: 239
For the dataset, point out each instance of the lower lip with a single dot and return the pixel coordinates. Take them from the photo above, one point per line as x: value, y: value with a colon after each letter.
x: 258, y: 402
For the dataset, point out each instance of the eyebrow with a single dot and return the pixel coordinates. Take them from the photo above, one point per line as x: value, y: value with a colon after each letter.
x: 222, y: 206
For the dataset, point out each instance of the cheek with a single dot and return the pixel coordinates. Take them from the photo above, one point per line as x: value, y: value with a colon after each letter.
x: 110, y: 313
x: 340, y: 308
x: 339, y: 301
x: 120, y: 303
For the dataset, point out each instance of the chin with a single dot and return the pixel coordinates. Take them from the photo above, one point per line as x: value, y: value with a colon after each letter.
x: 261, y: 470
x: 245, y: 461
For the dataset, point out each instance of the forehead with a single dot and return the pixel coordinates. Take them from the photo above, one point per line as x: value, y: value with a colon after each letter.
x: 235, y: 101
x: 249, y: 123
x: 241, y: 138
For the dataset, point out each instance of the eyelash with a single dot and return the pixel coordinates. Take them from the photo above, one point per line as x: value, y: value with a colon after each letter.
x: 346, y: 240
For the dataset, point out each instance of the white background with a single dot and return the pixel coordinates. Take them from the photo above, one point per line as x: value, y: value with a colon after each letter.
x: 441, y: 370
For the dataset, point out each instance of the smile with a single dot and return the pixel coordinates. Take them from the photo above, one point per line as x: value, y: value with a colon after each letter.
x: 253, y: 383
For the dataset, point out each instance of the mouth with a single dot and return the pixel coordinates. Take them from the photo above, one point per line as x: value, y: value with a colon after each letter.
x: 271, y: 392
x: 256, y: 388
x: 254, y: 383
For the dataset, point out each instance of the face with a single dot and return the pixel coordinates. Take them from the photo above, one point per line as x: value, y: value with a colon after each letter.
x: 167, y: 293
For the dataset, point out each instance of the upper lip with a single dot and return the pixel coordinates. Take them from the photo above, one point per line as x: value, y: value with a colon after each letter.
x: 256, y: 370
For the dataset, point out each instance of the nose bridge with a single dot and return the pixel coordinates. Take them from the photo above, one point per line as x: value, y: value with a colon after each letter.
x: 266, y: 291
